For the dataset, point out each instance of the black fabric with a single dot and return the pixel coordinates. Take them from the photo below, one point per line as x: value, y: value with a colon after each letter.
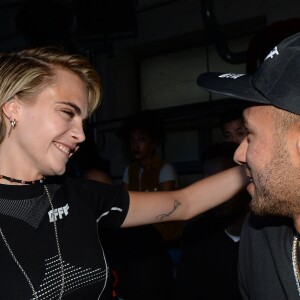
x: 208, y: 265
x: 140, y: 259
x: 77, y: 204
x: 265, y: 259
x: 274, y: 83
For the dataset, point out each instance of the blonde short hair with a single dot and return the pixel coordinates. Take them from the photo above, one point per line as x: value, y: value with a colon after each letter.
x: 27, y: 72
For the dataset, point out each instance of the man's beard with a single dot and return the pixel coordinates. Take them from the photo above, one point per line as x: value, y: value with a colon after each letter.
x: 277, y: 186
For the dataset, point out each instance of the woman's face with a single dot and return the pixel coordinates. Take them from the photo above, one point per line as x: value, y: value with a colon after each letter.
x: 49, y: 127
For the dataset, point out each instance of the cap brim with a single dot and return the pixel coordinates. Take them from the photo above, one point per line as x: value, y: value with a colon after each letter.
x: 232, y: 85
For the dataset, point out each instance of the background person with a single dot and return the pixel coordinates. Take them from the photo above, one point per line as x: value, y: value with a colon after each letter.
x: 142, y: 133
x: 210, y: 243
x: 140, y: 254
x: 232, y: 126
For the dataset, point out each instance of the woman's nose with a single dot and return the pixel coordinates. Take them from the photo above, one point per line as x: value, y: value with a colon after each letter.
x: 78, y: 133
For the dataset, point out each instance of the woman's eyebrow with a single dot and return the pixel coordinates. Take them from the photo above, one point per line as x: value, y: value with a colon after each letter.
x: 76, y: 108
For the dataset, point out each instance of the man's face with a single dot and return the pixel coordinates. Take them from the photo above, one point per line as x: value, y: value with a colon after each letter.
x: 269, y: 158
x: 234, y: 131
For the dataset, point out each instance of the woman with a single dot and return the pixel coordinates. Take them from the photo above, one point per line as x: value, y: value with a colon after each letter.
x: 49, y: 245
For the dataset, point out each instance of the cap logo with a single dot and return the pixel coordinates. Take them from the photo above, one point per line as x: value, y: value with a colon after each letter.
x: 272, y: 53
x: 231, y: 75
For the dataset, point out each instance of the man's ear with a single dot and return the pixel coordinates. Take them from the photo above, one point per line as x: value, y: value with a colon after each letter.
x: 11, y: 107
x: 293, y: 142
x: 298, y: 144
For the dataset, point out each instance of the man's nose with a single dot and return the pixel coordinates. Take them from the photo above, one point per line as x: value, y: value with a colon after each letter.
x: 240, y: 153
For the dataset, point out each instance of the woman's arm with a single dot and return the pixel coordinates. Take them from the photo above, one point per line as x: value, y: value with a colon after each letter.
x: 183, y: 204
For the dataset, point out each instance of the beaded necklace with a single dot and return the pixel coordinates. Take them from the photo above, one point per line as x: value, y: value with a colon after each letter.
x: 11, y: 179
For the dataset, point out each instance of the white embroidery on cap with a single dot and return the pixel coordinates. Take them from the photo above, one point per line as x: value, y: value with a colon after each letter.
x: 231, y: 75
x: 272, y: 53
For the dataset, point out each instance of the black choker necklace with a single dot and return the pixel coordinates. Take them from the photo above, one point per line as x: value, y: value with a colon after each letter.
x: 22, y: 181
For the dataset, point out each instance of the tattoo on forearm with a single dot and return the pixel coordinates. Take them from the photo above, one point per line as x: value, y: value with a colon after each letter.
x: 163, y: 216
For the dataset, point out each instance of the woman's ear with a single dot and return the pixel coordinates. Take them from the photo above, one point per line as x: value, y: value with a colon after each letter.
x: 11, y: 107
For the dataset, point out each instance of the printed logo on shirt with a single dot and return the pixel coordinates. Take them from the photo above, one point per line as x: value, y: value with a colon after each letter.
x: 272, y: 53
x: 58, y: 212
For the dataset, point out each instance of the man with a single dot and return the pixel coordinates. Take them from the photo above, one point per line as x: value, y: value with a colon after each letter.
x: 232, y: 126
x: 269, y: 249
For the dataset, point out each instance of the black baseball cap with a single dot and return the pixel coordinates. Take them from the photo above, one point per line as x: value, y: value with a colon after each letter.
x: 276, y: 82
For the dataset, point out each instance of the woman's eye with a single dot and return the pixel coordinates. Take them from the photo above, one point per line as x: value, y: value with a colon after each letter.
x: 68, y: 112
